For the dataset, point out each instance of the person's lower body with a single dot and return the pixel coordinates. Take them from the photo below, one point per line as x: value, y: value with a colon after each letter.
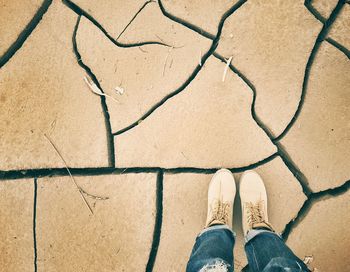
x: 213, y: 249
x: 266, y: 251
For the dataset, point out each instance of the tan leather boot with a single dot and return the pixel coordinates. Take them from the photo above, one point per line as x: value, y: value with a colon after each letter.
x: 254, y: 202
x: 221, y: 194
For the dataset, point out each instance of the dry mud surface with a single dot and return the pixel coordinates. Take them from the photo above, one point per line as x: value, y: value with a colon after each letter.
x: 113, y: 176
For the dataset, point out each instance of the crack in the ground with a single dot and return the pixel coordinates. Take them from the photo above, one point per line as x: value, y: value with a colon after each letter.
x: 34, y: 224
x: 320, y: 38
x: 169, y: 96
x: 22, y: 37
x: 183, y: 22
x: 82, y: 12
x: 323, y: 20
x: 134, y: 17
x: 194, y: 73
x: 340, y: 47
x: 110, y: 138
x: 158, y: 222
x: 311, y: 200
x: 294, y: 169
x: 50, y: 172
x: 314, y: 12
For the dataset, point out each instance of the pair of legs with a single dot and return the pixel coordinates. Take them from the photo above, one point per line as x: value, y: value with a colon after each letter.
x: 213, y: 249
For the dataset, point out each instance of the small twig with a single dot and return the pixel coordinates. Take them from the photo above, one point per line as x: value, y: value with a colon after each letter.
x: 53, y: 125
x: 160, y: 39
x: 200, y: 57
x: 116, y: 67
x: 177, y: 47
x: 226, y: 68
x: 166, y: 59
x: 184, y: 155
x: 173, y: 46
x: 142, y: 50
x: 124, y: 171
x: 94, y: 196
x: 81, y: 191
x: 96, y: 90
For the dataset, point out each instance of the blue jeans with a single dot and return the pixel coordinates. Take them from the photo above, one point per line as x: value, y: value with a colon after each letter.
x: 266, y: 251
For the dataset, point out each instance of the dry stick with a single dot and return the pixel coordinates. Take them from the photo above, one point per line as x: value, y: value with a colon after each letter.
x: 166, y: 59
x: 81, y: 191
x: 165, y: 44
x: 178, y: 47
x: 160, y: 39
x: 66, y: 166
x: 226, y: 68
x: 124, y: 170
x: 142, y: 50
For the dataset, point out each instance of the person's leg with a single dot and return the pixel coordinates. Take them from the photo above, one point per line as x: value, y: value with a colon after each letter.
x: 265, y: 250
x: 213, y: 249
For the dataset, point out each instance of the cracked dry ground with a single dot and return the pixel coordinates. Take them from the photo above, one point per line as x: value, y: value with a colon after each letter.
x: 141, y: 156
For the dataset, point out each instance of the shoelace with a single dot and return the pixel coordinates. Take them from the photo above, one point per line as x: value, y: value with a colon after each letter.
x: 255, y: 212
x: 220, y: 212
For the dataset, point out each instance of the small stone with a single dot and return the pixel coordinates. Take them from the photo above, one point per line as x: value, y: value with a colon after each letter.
x: 119, y: 90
